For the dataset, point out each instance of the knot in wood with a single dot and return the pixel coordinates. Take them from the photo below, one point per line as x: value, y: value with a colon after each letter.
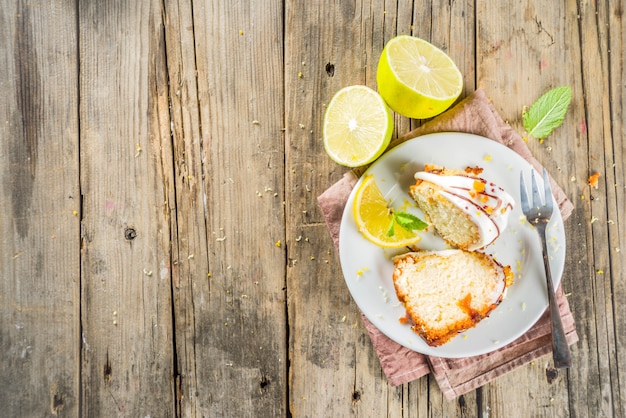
x: 330, y: 69
x: 130, y: 233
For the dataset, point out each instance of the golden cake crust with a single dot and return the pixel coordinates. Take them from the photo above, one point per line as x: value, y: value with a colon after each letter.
x: 439, y: 301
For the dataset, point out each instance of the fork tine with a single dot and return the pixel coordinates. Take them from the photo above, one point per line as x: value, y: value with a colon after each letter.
x: 547, y: 189
x: 535, y: 190
x: 523, y: 193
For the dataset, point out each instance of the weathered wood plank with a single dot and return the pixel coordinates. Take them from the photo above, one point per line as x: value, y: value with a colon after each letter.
x: 532, y: 49
x: 516, y: 63
x: 615, y: 186
x: 329, y: 45
x: 451, y: 27
x: 602, y: 46
x: 126, y: 317
x: 197, y: 124
x: 225, y: 68
x: 189, y: 248
x: 360, y: 31
x: 592, y: 301
x: 405, y: 399
x: 39, y: 206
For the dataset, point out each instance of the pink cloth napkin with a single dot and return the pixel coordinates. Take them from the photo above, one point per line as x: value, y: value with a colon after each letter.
x: 475, y: 115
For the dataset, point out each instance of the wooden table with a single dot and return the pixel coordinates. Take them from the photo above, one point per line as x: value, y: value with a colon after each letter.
x: 162, y: 252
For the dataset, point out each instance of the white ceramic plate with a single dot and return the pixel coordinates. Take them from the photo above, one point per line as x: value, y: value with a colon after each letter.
x: 367, y: 268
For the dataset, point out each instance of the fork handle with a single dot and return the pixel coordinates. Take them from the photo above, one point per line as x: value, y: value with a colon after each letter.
x: 560, y: 348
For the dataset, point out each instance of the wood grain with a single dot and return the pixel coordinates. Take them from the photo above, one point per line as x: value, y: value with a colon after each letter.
x: 332, y: 362
x: 530, y: 50
x: 39, y: 210
x: 162, y: 252
x: 226, y: 94
x: 126, y: 318
x: 615, y: 189
x: 606, y: 274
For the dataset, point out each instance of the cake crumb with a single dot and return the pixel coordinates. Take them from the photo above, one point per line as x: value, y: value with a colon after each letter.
x: 593, y: 180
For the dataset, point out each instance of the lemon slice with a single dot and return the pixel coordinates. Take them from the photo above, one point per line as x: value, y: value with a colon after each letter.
x: 373, y: 217
x: 417, y: 79
x: 357, y: 126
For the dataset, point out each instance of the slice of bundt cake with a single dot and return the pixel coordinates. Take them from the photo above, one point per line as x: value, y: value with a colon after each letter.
x: 466, y: 210
x: 446, y: 292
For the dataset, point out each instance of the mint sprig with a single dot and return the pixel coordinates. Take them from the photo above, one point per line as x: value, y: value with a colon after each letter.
x: 406, y: 221
x: 547, y: 113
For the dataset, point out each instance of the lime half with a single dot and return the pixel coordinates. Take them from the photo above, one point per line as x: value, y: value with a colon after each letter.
x: 417, y: 79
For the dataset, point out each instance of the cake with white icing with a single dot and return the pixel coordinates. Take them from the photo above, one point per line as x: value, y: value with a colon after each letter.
x: 466, y: 210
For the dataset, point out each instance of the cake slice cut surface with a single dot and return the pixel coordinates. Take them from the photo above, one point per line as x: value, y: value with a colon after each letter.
x: 467, y: 211
x: 447, y: 292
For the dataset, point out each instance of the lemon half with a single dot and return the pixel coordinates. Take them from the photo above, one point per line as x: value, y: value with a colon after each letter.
x: 373, y: 216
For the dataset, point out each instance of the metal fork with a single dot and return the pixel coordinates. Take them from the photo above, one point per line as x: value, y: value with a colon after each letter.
x: 539, y: 215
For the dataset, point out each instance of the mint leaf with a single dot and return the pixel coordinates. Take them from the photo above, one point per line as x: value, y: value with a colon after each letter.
x: 391, y: 230
x: 548, y: 112
x: 406, y: 221
x: 409, y: 222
